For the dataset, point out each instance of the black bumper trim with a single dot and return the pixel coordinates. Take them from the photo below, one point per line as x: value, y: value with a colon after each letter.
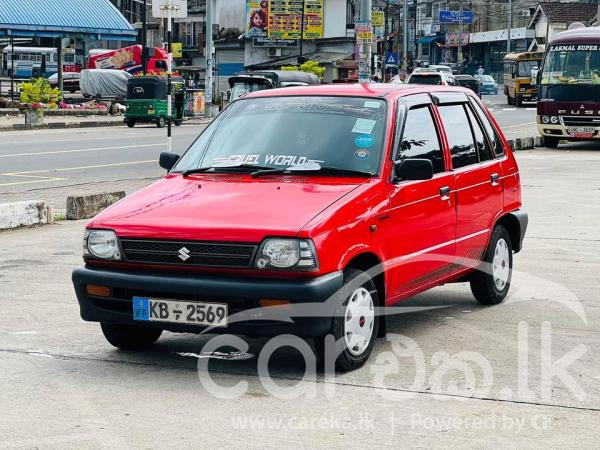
x: 316, y: 290
x: 521, y: 216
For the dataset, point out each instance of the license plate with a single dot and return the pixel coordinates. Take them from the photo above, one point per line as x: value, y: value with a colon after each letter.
x: 175, y: 311
x: 582, y: 132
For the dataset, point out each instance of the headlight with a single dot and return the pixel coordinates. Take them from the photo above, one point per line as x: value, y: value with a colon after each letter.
x: 522, y: 89
x: 101, y: 244
x: 295, y: 254
x: 545, y: 119
x: 554, y: 120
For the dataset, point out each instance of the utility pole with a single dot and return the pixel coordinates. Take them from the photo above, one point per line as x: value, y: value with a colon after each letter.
x: 365, y: 48
x: 208, y: 89
x: 300, y: 57
x: 459, y: 55
x: 169, y: 69
x: 144, y: 33
x: 597, y: 15
x: 12, y: 70
x: 509, y: 26
x: 385, y: 40
x: 405, y: 36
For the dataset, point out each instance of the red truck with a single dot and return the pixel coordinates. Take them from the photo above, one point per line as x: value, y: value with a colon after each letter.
x: 130, y: 59
x: 323, y: 203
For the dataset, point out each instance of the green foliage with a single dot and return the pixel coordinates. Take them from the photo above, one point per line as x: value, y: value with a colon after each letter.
x: 39, y: 91
x: 308, y: 66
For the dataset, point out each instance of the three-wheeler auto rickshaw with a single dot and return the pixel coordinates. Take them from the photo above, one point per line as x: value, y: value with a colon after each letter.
x: 147, y: 100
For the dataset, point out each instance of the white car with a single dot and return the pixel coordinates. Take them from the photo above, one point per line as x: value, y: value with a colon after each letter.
x: 433, y: 78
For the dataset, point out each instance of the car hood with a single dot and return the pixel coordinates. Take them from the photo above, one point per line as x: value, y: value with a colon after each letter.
x: 223, y: 207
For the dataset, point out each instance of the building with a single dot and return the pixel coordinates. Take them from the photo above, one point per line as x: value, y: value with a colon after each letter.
x: 550, y: 18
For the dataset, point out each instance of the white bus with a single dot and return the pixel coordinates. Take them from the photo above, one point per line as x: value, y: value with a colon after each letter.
x: 28, y: 61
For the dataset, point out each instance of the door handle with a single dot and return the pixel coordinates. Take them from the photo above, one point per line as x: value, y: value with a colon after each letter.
x: 494, y: 177
x: 444, y: 192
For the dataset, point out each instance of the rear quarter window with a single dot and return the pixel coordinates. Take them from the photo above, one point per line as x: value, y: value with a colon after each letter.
x: 495, y: 141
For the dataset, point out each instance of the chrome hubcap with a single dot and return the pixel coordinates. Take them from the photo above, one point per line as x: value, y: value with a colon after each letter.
x: 358, y: 321
x: 501, y: 264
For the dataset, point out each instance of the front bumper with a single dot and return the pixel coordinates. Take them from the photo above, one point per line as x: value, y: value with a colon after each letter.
x: 561, y: 132
x: 307, y: 296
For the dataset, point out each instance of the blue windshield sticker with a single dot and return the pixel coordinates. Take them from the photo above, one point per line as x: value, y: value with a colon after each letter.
x: 364, y: 141
x: 361, y: 154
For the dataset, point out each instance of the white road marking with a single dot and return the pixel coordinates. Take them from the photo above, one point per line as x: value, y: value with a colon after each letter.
x: 518, y: 125
x: 57, y: 152
x: 509, y: 109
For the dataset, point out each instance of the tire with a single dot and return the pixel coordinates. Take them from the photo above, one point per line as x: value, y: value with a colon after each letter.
x: 509, y: 100
x: 130, y: 337
x: 496, y: 92
x: 490, y: 283
x: 160, y: 122
x: 518, y: 101
x: 177, y: 123
x: 130, y: 123
x: 550, y: 142
x: 357, y: 303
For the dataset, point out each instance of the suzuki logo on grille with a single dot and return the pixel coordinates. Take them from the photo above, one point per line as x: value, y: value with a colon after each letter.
x: 184, y: 254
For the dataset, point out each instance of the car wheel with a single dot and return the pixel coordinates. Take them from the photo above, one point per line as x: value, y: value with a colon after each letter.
x: 490, y: 283
x: 496, y: 92
x: 160, y: 122
x: 509, y: 100
x: 550, y: 142
x: 130, y: 337
x: 355, y: 324
x: 177, y: 123
x: 130, y: 123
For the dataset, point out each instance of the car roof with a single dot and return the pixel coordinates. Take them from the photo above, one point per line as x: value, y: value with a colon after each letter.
x: 375, y: 90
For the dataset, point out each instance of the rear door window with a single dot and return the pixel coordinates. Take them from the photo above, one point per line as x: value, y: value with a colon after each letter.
x: 460, y: 138
x: 420, y: 138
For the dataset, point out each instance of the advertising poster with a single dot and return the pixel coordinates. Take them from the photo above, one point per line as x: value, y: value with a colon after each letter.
x: 285, y: 18
x: 257, y: 18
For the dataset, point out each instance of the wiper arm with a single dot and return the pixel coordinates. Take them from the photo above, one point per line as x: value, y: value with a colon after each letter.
x: 238, y: 166
x: 312, y: 169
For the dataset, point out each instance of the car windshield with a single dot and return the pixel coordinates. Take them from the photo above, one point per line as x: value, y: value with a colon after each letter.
x: 425, y: 79
x: 572, y: 66
x: 280, y: 132
x: 486, y: 78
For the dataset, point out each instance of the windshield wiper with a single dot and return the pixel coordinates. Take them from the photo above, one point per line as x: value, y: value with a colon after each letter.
x: 216, y: 167
x: 319, y: 169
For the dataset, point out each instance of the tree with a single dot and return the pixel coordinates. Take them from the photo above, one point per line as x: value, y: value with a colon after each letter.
x: 308, y: 66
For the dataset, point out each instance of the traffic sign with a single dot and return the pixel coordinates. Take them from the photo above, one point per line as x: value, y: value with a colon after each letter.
x: 391, y: 59
x: 178, y: 9
x: 454, y: 17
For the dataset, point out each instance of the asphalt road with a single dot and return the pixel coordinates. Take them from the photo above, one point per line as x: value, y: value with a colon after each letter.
x: 523, y: 374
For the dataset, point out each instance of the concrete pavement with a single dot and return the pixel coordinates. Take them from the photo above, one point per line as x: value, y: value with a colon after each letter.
x: 63, y: 386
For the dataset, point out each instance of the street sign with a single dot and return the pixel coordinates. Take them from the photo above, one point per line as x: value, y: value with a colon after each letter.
x: 364, y: 31
x: 178, y: 9
x: 177, y: 49
x: 274, y: 42
x: 391, y: 59
x: 377, y: 17
x: 454, y: 17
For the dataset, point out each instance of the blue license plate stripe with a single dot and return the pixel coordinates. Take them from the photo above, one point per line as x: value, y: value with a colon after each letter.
x: 141, y: 308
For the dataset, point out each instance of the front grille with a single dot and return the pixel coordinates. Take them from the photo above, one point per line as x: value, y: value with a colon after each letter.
x: 581, y: 121
x: 188, y: 253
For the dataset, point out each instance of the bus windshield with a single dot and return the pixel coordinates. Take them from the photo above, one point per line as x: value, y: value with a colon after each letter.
x: 569, y: 66
x: 525, y: 68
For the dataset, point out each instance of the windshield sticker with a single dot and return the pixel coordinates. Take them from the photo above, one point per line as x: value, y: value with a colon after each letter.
x: 364, y: 141
x: 361, y: 154
x: 270, y: 160
x: 364, y: 126
x: 372, y: 104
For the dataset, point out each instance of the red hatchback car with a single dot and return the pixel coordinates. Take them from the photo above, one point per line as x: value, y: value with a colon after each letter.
x: 307, y: 211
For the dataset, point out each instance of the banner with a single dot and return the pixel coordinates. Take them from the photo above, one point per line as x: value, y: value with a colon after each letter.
x: 364, y: 31
x: 177, y: 49
x: 285, y: 18
x: 377, y: 17
x: 257, y: 18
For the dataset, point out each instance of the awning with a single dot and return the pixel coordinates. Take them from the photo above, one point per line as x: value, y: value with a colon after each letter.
x: 430, y: 39
x: 57, y: 18
x: 320, y: 57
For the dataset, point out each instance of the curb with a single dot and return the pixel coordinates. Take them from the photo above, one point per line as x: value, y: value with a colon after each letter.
x: 56, y: 125
x: 87, y: 206
x: 525, y: 143
x: 24, y: 214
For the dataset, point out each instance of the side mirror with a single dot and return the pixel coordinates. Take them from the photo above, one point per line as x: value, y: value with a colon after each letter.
x: 167, y: 160
x: 229, y: 95
x: 413, y: 169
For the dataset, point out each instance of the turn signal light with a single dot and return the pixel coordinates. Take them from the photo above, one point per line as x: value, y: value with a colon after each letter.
x: 272, y: 303
x: 97, y: 291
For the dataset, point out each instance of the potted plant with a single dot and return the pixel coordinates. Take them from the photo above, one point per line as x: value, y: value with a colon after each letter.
x: 34, y: 95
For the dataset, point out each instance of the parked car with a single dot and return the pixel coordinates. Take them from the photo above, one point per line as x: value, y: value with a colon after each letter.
x: 70, y: 81
x: 488, y: 84
x: 245, y: 82
x: 318, y: 216
x: 434, y: 78
x: 469, y: 82
x: 108, y: 84
x: 440, y: 68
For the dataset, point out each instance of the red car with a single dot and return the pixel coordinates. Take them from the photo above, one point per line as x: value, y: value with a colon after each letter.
x: 305, y: 211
